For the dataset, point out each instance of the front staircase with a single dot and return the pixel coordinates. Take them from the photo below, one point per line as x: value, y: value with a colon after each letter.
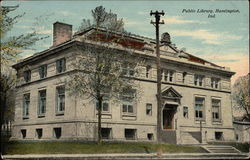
x: 220, y: 149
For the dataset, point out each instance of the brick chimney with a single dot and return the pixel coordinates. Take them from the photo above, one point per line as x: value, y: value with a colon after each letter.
x: 62, y: 32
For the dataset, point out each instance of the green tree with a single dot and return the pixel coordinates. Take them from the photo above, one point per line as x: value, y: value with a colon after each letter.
x: 11, y: 48
x: 240, y: 94
x: 103, y: 72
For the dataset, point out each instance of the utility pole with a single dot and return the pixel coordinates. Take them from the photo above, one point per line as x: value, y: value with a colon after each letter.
x: 158, y: 64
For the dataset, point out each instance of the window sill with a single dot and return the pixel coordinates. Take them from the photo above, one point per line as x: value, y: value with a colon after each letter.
x: 60, y: 114
x: 197, y: 121
x: 219, y: 122
x: 129, y: 114
x: 60, y: 72
x: 104, y: 113
x: 41, y: 116
x: 25, y: 117
x: 129, y: 117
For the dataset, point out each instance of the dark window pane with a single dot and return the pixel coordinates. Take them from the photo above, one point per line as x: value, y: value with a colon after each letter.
x: 124, y: 108
x: 105, y: 106
x: 130, y: 108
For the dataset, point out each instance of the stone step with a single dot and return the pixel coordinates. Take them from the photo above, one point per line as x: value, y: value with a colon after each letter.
x: 221, y: 149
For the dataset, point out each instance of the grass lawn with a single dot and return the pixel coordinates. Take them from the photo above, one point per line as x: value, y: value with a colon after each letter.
x: 92, y: 148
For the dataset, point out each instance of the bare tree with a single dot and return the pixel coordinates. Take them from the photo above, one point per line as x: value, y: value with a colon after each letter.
x: 240, y: 94
x: 104, y: 70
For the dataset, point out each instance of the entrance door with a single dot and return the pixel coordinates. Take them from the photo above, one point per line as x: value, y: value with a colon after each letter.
x: 168, y: 116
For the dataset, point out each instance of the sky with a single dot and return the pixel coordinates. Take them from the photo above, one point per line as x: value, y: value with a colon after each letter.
x: 219, y: 37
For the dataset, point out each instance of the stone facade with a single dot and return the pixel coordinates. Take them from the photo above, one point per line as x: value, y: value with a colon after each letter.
x: 196, y: 99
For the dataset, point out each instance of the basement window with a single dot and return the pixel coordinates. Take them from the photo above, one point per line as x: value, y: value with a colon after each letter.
x: 39, y: 133
x: 150, y: 136
x: 23, y: 133
x: 130, y: 134
x: 57, y: 132
x: 106, y: 133
x: 218, y: 135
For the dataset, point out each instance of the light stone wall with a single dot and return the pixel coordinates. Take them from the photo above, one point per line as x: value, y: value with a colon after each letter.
x: 80, y: 116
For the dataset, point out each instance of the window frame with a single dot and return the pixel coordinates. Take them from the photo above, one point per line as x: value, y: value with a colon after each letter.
x: 55, y: 129
x: 127, y: 69
x: 168, y: 75
x: 134, y: 136
x: 219, y: 110
x: 199, y: 80
x: 104, y: 101
x: 185, y: 110
x: 109, y: 135
x: 60, y: 112
x: 23, y: 133
x: 127, y: 105
x: 40, y: 99
x: 27, y: 76
x: 43, y: 71
x: 128, y: 100
x: 148, y: 70
x: 202, y: 110
x: 151, y: 109
x: 215, y: 83
x: 25, y: 107
x: 60, y: 67
x: 39, y: 133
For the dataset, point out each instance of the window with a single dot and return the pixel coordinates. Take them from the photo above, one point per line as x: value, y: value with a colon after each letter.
x: 184, y: 74
x: 42, y: 103
x: 216, y: 109
x: 127, y: 104
x: 198, y: 80
x: 26, y: 104
x: 128, y: 70
x: 148, y: 68
x: 61, y: 65
x: 150, y: 136
x: 106, y: 133
x: 27, y: 75
x: 149, y: 109
x: 23, y: 133
x: 39, y: 133
x: 168, y: 75
x: 127, y: 108
x: 60, y: 94
x: 185, y: 112
x: 199, y: 108
x: 105, y: 106
x: 130, y: 134
x: 57, y: 132
x: 215, y: 83
x: 43, y: 71
x: 218, y: 135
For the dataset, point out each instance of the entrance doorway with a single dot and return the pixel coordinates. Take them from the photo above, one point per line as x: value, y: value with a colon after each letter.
x: 168, y: 116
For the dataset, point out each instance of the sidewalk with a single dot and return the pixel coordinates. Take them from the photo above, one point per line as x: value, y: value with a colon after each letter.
x: 130, y: 156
